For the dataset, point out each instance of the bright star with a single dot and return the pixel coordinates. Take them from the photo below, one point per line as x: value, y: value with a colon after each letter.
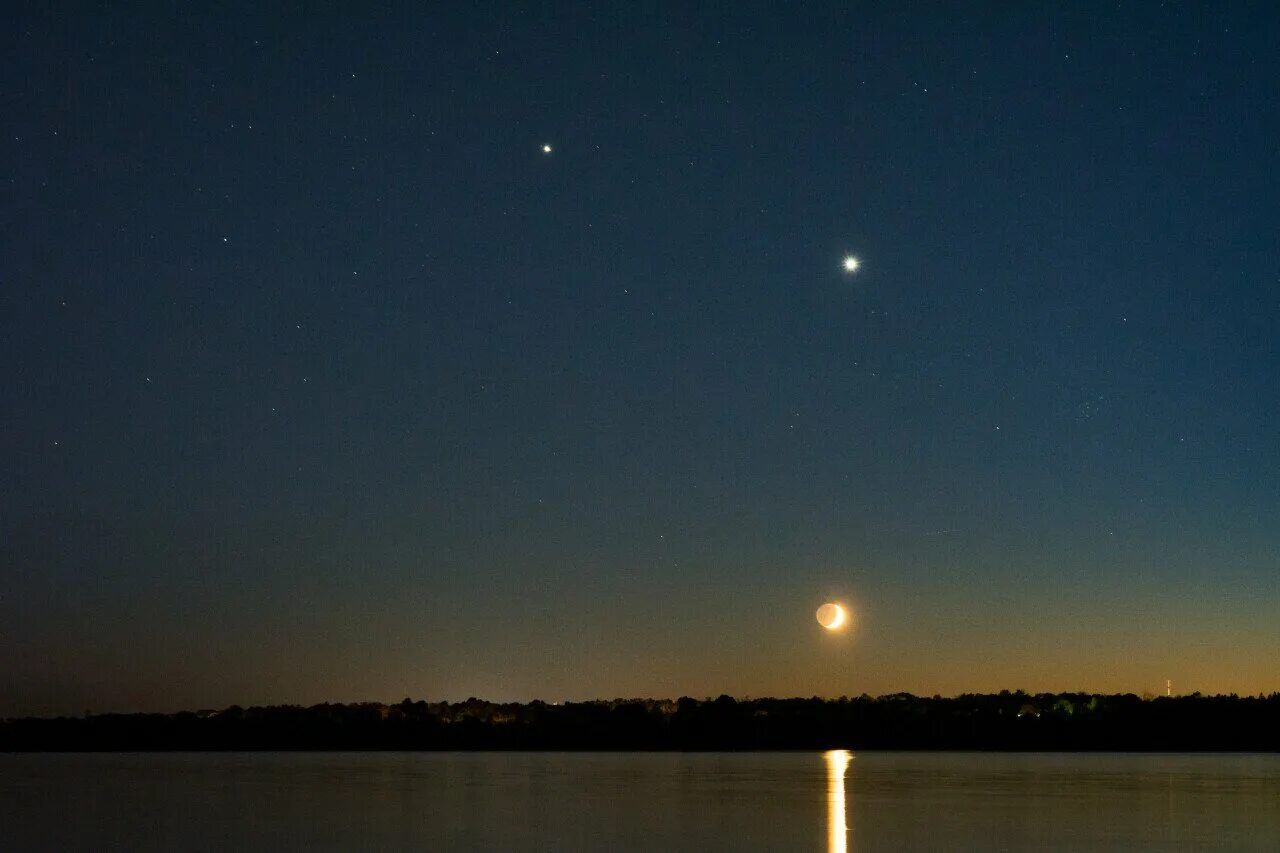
x: 850, y: 263
x: 546, y: 149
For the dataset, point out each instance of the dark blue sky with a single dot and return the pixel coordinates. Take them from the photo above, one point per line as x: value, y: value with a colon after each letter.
x: 323, y: 381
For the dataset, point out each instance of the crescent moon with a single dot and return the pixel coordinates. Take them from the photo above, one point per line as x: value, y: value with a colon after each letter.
x: 832, y: 616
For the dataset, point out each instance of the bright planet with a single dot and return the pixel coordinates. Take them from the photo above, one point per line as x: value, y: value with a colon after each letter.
x: 832, y: 616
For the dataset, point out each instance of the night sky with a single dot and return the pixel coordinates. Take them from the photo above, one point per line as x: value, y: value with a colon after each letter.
x: 322, y: 380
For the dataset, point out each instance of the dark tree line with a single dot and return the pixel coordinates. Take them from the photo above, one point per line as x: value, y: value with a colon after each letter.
x: 1003, y: 721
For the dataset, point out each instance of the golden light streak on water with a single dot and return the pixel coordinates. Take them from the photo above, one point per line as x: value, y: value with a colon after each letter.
x: 837, y: 827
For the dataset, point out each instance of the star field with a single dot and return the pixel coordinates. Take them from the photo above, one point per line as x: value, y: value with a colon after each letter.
x: 537, y: 351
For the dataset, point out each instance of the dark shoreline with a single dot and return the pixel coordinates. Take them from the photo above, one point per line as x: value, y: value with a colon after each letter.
x: 1007, y: 721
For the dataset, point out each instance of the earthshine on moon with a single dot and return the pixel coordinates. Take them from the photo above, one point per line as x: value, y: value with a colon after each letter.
x: 832, y: 616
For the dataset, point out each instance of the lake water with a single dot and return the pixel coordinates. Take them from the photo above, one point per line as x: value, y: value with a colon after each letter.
x: 649, y: 801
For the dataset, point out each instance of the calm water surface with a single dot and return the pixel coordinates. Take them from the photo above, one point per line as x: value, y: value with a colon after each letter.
x: 625, y: 801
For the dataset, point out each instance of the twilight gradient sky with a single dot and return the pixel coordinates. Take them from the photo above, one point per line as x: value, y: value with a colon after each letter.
x: 321, y: 381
